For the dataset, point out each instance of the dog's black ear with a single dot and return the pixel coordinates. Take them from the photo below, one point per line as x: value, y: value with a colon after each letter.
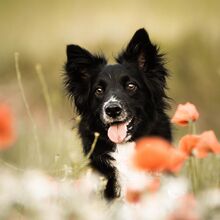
x: 145, y: 56
x: 81, y: 65
x: 80, y: 62
x: 139, y: 50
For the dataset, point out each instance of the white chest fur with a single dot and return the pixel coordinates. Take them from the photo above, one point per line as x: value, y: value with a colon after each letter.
x: 128, y: 176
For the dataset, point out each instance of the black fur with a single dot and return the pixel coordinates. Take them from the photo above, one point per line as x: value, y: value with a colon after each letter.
x: 140, y: 64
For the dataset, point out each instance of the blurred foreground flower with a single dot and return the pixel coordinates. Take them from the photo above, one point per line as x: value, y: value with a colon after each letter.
x: 156, y: 154
x: 7, y: 135
x: 35, y: 195
x: 184, y: 114
x: 186, y: 209
x: 133, y: 196
x: 200, y: 145
x: 209, y: 204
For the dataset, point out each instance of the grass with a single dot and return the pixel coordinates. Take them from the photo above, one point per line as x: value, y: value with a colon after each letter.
x: 200, y: 180
x: 56, y: 150
x: 46, y: 95
x: 34, y: 126
x: 48, y: 148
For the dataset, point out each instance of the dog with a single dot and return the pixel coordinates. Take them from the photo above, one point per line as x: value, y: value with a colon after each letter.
x: 122, y: 102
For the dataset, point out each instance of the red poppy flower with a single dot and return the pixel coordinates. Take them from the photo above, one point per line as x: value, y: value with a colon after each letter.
x: 156, y: 154
x: 176, y: 160
x: 207, y: 143
x: 151, y: 154
x: 200, y: 145
x: 7, y: 136
x: 184, y: 114
x: 187, y: 143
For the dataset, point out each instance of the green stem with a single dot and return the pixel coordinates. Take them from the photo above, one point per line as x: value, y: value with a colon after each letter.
x: 192, y: 127
x: 46, y: 94
x: 192, y: 174
x: 93, y: 145
x: 34, y: 126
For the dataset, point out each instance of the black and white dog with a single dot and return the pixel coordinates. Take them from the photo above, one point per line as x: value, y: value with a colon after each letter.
x: 122, y: 102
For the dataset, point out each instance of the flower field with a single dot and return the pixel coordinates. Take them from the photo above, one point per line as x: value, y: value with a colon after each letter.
x: 169, y: 181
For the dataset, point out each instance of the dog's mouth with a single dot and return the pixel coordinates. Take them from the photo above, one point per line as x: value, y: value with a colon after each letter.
x: 119, y: 132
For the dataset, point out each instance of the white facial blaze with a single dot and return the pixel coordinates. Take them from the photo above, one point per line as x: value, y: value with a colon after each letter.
x: 105, y: 117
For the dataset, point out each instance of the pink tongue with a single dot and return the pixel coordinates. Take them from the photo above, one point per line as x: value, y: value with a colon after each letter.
x: 117, y: 133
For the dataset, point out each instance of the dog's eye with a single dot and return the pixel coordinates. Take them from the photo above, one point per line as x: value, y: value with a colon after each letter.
x: 131, y: 87
x: 99, y: 91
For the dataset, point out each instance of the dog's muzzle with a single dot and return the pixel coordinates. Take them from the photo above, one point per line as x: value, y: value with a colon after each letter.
x: 113, y: 110
x: 116, y: 118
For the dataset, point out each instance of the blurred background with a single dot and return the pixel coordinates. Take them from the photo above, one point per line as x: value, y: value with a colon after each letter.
x: 187, y: 31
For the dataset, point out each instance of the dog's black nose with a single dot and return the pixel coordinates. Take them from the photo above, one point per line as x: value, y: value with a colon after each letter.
x: 113, y: 110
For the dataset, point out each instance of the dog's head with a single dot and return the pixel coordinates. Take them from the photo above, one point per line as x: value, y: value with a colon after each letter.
x: 121, y: 97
